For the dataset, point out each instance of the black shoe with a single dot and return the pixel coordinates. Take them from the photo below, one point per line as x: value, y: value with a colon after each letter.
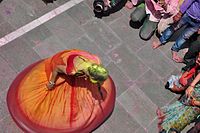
x: 167, y: 86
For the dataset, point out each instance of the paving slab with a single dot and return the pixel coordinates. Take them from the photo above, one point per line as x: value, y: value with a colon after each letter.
x: 122, y: 82
x: 85, y: 43
x: 155, y: 60
x: 37, y: 35
x: 16, y: 12
x: 121, y: 121
x: 153, y: 87
x: 49, y: 47
x: 7, y: 74
x: 138, y: 105
x: 64, y: 27
x: 104, y: 37
x: 81, y: 13
x: 128, y: 62
x: 19, y: 54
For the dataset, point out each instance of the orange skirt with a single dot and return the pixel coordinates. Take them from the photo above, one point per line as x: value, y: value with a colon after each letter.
x: 74, y: 106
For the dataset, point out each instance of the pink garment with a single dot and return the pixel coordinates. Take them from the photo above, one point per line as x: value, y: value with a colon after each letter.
x: 157, y: 12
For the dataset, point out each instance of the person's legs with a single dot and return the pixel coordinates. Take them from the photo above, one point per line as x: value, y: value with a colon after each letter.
x: 169, y: 31
x: 193, y: 51
x: 148, y: 28
x: 189, y: 31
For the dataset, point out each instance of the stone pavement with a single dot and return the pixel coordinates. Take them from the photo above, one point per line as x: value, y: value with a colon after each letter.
x: 138, y: 71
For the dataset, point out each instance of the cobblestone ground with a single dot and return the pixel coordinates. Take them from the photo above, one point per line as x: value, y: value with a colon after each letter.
x: 138, y: 71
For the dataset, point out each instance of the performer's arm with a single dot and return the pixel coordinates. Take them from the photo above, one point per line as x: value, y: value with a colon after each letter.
x: 58, y: 69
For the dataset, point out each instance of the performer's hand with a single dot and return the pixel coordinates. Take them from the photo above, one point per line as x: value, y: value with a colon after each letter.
x: 189, y: 91
x: 177, y: 17
x: 50, y: 85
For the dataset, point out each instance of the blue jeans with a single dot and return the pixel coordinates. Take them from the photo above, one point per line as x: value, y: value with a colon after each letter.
x: 192, y: 26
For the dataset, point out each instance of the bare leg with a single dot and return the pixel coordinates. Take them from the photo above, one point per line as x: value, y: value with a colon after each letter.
x: 156, y: 43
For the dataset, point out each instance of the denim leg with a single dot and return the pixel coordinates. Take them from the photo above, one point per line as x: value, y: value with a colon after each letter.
x: 166, y: 35
x: 189, y: 31
x: 170, y: 30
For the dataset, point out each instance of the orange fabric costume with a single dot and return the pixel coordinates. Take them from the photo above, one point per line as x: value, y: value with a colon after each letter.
x: 73, y: 106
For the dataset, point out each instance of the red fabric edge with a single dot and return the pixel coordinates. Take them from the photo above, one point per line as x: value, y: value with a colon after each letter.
x: 27, y: 126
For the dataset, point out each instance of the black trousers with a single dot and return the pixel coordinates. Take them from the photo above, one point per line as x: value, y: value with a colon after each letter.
x: 193, y: 51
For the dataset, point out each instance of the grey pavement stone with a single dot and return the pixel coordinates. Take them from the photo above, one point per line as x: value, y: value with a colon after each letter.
x: 154, y: 88
x: 128, y: 62
x: 64, y: 27
x: 141, y: 130
x: 84, y: 43
x: 39, y: 8
x: 133, y: 42
x: 49, y: 47
x: 102, y: 35
x: 138, y: 105
x: 81, y: 13
x: 3, y: 95
x: 90, y: 4
x: 7, y: 75
x: 7, y: 125
x: 16, y: 12
x: 37, y: 35
x: 112, y: 17
x: 3, y: 111
x: 121, y: 121
x: 127, y: 11
x: 156, y: 61
x: 19, y: 54
x: 102, y: 129
x: 60, y: 2
x: 6, y: 28
x: 122, y: 82
x: 2, y: 19
x: 153, y: 127
x: 122, y: 29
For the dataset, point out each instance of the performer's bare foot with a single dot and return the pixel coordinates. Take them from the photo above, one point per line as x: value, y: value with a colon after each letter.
x: 156, y: 43
x: 129, y: 4
x: 176, y: 57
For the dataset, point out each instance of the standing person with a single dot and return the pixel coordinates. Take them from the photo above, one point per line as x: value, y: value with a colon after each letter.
x: 175, y: 117
x: 68, y: 92
x: 188, y: 15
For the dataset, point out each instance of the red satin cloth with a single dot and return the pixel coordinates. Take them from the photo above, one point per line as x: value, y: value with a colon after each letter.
x: 74, y: 106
